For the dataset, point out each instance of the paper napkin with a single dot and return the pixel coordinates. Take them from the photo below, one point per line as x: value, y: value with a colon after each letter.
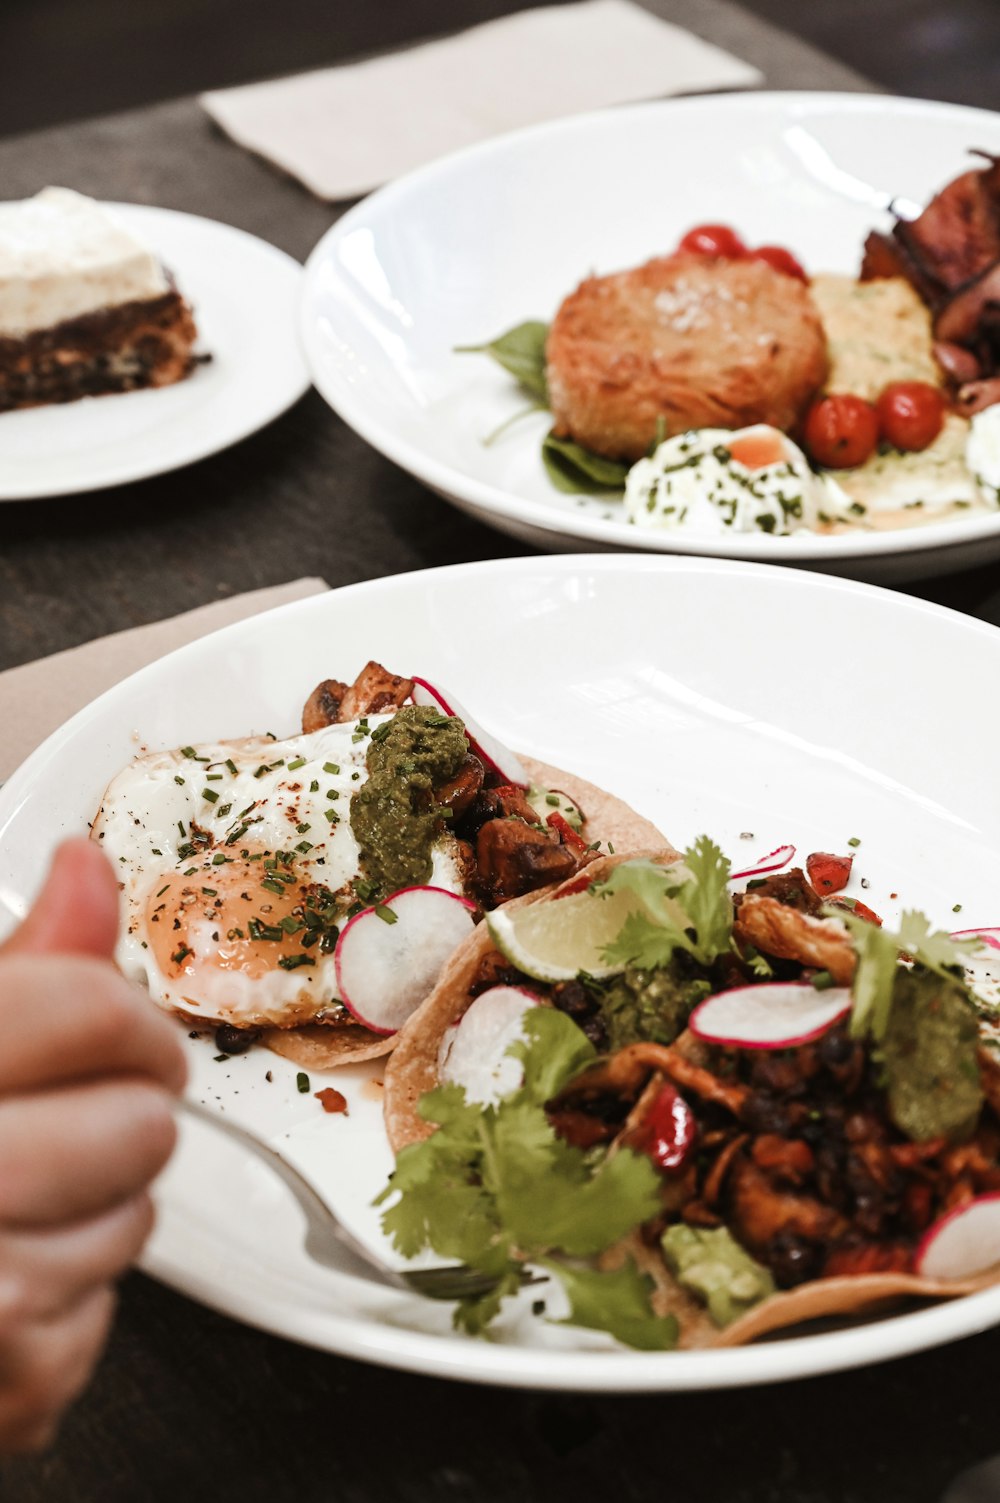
x: 37, y: 697
x: 342, y: 131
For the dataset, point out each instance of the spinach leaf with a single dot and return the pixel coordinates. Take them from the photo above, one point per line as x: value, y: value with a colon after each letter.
x: 573, y: 469
x: 521, y: 351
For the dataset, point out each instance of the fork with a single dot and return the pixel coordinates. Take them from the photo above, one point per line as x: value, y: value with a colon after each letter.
x: 329, y: 1243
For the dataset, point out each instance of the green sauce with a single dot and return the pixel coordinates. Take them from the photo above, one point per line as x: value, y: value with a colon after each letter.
x: 392, y: 815
x: 650, y: 1006
x: 711, y: 1265
x: 929, y: 1057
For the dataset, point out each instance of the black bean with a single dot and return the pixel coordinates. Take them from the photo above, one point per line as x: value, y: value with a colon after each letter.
x: 230, y: 1040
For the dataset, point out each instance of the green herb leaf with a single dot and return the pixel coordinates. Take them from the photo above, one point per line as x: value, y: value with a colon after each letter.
x: 879, y: 950
x: 684, y: 907
x: 575, y: 470
x: 495, y: 1187
x: 615, y: 1301
x: 521, y: 351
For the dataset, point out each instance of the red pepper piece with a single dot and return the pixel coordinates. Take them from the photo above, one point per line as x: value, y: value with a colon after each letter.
x: 331, y: 1100
x: 566, y: 832
x: 828, y: 873
x: 861, y: 909
x: 671, y: 1130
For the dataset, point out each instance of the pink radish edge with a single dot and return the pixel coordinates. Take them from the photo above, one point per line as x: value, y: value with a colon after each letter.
x: 772, y: 862
x: 837, y: 1007
x: 990, y: 937
x: 496, y: 757
x: 923, y: 1259
x: 356, y: 1008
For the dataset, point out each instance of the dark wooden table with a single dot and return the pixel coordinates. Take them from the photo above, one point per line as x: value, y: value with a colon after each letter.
x: 187, y: 1404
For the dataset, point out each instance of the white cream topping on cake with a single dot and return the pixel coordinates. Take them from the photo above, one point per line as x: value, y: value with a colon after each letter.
x: 63, y: 255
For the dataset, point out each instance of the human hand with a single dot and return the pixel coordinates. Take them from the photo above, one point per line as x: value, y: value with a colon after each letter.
x: 87, y: 1068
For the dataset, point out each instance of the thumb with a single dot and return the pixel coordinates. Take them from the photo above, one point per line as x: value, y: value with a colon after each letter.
x: 76, y: 912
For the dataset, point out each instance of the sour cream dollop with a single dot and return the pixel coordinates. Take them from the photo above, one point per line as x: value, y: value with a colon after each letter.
x: 715, y: 481
x: 982, y: 453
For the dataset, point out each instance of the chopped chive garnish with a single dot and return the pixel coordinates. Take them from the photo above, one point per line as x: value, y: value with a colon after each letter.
x: 385, y: 914
x: 223, y: 810
x: 293, y: 962
x: 192, y: 871
x: 854, y: 840
x: 210, y: 794
x: 331, y: 767
x: 272, y: 885
x: 231, y: 765
x: 302, y: 829
x: 210, y: 892
x: 304, y: 845
x: 213, y: 777
x: 553, y: 799
x: 219, y: 859
x: 332, y: 816
x: 179, y: 781
x: 298, y: 762
x: 162, y: 891
x: 302, y: 1083
x: 332, y: 793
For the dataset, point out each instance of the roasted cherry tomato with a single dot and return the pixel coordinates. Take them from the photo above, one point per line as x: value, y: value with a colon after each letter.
x: 841, y: 431
x: 910, y: 414
x: 781, y: 259
x: 861, y: 909
x: 714, y: 240
x: 671, y: 1130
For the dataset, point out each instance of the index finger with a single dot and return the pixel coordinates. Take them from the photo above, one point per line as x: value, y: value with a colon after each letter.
x: 71, y: 1017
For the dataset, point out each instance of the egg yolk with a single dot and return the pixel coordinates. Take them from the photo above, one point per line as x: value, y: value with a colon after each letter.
x: 758, y: 450
x: 240, y: 916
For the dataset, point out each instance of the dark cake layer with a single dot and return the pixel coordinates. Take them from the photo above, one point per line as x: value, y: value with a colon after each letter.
x: 144, y: 343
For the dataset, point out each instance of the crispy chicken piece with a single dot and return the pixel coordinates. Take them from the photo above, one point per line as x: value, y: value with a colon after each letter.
x: 760, y: 1212
x: 777, y: 930
x: 374, y: 691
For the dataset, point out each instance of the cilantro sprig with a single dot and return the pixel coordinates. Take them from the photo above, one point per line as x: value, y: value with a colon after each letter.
x: 495, y: 1187
x: 683, y: 907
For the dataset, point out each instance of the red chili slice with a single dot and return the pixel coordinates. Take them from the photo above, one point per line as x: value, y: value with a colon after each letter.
x: 566, y: 831
x: 828, y: 873
x: 861, y: 909
x: 672, y: 1131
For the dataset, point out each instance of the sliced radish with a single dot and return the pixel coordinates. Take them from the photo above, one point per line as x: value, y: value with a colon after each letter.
x: 492, y: 753
x: 473, y: 1052
x: 770, y: 863
x: 990, y: 937
x: 964, y: 1242
x: 388, y: 957
x: 776, y: 1015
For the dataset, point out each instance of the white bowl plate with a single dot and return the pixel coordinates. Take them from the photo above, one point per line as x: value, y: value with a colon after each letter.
x: 245, y: 294
x: 462, y: 250
x: 700, y: 690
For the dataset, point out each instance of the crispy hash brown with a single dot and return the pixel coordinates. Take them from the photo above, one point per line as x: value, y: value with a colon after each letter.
x: 687, y: 341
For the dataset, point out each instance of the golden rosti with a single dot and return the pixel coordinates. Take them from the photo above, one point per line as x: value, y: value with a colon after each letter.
x: 684, y: 341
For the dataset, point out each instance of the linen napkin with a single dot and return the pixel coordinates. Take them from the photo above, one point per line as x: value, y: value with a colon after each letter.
x: 37, y: 697
x: 342, y: 131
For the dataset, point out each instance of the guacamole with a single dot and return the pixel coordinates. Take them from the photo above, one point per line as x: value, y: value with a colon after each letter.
x: 929, y: 1057
x: 711, y: 1265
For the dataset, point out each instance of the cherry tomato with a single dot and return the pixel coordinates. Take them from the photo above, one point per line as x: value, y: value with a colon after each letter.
x: 910, y: 414
x: 714, y: 240
x: 671, y: 1130
x: 780, y: 259
x: 841, y: 431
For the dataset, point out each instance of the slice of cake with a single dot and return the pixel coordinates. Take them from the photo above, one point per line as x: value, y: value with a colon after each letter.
x: 85, y: 307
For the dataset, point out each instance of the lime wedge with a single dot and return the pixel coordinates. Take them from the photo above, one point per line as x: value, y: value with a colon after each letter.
x: 555, y: 941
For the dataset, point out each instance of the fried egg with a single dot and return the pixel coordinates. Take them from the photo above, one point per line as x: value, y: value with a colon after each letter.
x: 236, y: 863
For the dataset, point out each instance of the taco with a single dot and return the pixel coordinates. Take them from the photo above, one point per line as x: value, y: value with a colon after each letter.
x: 819, y: 1097
x: 305, y: 892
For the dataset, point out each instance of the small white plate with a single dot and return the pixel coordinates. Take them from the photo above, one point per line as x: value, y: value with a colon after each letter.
x: 693, y: 687
x: 465, y: 248
x: 245, y: 297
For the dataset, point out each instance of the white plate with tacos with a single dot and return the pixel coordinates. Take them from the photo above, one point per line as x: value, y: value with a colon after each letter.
x: 694, y: 690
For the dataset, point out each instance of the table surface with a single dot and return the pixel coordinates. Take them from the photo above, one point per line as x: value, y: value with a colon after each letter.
x: 188, y: 1403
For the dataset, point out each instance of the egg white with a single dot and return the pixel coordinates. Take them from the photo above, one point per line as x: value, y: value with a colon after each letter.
x: 193, y: 834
